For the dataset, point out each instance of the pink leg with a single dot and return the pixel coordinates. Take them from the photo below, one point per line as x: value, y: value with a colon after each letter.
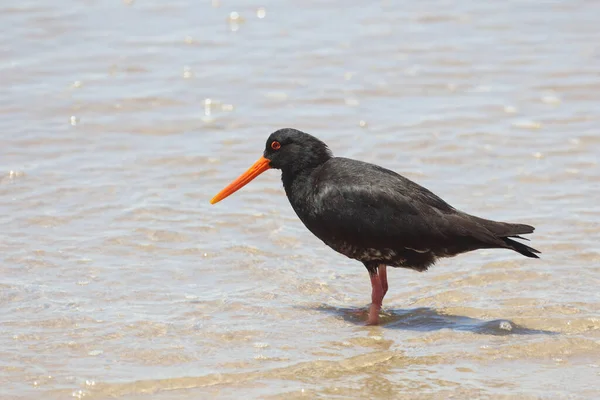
x: 376, y: 299
x: 382, y: 271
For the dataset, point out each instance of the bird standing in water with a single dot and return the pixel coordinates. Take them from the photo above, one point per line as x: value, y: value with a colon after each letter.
x: 371, y: 214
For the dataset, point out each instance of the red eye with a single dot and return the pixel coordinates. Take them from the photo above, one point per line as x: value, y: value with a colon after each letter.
x: 275, y: 145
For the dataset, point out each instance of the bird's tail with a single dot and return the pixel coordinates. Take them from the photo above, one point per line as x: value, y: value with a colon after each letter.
x: 520, y: 247
x: 507, y: 232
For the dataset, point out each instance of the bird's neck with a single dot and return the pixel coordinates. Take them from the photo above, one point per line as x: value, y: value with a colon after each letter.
x: 298, y: 183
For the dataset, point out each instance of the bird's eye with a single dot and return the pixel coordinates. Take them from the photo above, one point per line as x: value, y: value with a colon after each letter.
x: 275, y: 145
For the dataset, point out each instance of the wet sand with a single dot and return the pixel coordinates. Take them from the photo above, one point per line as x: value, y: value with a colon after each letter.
x: 120, y: 120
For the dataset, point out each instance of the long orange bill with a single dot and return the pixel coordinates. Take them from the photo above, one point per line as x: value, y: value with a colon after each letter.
x: 255, y: 170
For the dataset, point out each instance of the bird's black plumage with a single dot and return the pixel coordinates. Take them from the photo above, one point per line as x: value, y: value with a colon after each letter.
x: 372, y: 214
x: 375, y: 215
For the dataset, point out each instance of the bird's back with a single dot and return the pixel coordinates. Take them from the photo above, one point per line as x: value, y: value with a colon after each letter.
x: 362, y: 176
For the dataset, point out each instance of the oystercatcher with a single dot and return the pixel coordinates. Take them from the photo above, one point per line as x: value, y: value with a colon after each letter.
x: 371, y: 214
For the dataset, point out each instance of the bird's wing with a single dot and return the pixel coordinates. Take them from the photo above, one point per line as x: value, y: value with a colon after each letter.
x: 367, y: 205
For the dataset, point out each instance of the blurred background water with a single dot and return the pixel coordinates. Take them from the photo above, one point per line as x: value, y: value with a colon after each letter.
x: 120, y: 120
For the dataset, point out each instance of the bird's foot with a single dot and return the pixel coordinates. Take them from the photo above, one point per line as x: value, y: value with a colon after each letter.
x: 373, y: 318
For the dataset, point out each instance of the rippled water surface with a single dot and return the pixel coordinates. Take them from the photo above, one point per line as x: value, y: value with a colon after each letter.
x: 120, y: 120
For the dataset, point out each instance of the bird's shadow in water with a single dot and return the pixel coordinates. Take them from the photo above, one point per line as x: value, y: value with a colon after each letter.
x: 425, y: 319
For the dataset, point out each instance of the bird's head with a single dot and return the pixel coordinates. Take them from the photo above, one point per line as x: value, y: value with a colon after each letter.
x: 289, y: 150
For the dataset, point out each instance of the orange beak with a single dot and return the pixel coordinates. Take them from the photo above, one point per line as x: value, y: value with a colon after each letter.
x: 255, y: 170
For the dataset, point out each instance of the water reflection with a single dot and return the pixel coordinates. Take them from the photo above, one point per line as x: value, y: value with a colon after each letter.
x: 426, y: 319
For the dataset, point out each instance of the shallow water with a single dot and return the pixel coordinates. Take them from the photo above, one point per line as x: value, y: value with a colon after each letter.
x: 119, y: 121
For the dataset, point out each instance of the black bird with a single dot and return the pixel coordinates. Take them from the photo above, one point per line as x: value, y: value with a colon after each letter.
x: 372, y: 214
